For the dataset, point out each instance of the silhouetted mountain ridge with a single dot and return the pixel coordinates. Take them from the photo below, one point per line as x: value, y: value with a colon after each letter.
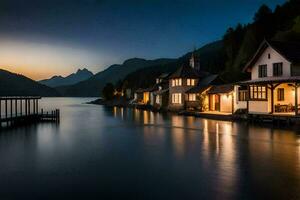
x: 12, y: 84
x: 80, y: 75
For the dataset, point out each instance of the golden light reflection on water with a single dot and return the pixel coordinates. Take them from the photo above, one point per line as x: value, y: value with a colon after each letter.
x: 220, y: 145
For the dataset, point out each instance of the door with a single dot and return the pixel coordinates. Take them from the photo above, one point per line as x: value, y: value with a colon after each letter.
x: 217, y: 102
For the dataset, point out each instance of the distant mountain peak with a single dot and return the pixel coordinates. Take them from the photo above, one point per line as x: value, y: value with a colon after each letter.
x: 80, y: 75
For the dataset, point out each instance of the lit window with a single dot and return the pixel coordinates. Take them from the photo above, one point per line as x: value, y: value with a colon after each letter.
x: 192, y: 97
x: 193, y: 82
x: 176, y: 98
x: 157, y: 99
x: 176, y: 82
x: 190, y: 82
x: 258, y: 92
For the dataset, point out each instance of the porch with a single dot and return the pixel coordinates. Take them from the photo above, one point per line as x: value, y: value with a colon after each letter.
x: 273, y: 96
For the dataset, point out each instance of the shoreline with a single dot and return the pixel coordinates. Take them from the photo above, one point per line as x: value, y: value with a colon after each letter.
x: 284, y: 122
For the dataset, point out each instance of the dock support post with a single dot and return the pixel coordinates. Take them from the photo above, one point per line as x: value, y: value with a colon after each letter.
x: 21, y: 109
x: 296, y: 99
x: 272, y: 99
x: 16, y: 107
x: 5, y: 102
x: 0, y: 113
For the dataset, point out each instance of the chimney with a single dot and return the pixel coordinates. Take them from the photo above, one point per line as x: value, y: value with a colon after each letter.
x: 195, y: 62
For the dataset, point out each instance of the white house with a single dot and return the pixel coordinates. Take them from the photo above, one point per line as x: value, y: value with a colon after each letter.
x: 275, y: 78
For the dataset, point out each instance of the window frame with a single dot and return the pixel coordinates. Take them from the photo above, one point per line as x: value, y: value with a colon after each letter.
x: 258, y: 93
x: 276, y: 67
x: 242, y: 95
x: 280, y: 94
x: 192, y: 97
x: 176, y: 98
x: 262, y: 71
x: 176, y: 82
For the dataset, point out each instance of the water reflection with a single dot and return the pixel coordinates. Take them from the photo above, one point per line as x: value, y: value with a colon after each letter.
x: 128, y: 154
x: 238, y: 156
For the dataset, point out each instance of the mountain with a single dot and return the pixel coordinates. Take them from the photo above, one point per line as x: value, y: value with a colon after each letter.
x: 80, y: 75
x: 12, y: 84
x: 212, y: 57
x: 94, y: 85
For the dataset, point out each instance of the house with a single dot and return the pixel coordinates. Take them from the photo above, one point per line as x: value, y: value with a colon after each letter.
x: 221, y: 98
x: 142, y: 96
x: 182, y: 80
x: 197, y: 97
x: 275, y: 78
x: 160, y: 93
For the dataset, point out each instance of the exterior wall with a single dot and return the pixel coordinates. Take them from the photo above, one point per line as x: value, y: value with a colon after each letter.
x: 295, y: 70
x: 238, y: 104
x: 179, y: 89
x: 258, y: 107
x: 152, y: 99
x: 275, y: 58
x: 226, y: 103
x: 261, y: 107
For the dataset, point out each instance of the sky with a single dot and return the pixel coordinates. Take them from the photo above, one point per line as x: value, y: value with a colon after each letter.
x: 42, y: 38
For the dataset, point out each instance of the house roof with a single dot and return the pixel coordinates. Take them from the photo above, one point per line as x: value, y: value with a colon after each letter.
x: 197, y: 89
x: 141, y: 90
x: 267, y: 80
x: 186, y: 71
x: 163, y: 76
x: 203, y: 84
x: 221, y: 89
x: 289, y: 50
x: 159, y: 92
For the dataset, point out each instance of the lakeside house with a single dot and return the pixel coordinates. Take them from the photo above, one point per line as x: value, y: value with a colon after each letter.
x: 272, y: 89
x: 275, y: 77
x: 181, y: 81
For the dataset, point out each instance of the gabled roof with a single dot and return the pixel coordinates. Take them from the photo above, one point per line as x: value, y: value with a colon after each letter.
x: 289, y: 50
x: 221, y: 89
x: 163, y: 76
x: 205, y: 83
x: 186, y: 71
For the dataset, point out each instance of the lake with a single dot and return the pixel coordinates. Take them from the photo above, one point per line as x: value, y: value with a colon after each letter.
x: 118, y: 153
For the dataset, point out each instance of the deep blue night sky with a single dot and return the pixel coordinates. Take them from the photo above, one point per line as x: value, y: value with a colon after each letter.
x: 43, y: 37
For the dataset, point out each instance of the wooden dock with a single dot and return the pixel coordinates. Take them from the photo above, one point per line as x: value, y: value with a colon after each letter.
x: 24, y: 110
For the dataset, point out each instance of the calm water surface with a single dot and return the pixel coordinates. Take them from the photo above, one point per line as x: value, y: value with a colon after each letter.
x: 117, y: 153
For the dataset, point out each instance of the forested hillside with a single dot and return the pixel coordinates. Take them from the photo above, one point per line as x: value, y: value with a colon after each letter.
x: 228, y: 56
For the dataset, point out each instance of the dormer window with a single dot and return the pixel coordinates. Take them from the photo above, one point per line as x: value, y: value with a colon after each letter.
x: 277, y: 69
x: 262, y: 71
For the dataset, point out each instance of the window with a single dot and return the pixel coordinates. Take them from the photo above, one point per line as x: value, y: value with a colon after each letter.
x: 269, y: 56
x: 262, y: 71
x: 242, y: 95
x: 277, y: 69
x: 191, y: 97
x: 176, y: 82
x: 258, y: 92
x: 176, y: 98
x: 190, y: 82
x: 157, y: 99
x: 280, y: 94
